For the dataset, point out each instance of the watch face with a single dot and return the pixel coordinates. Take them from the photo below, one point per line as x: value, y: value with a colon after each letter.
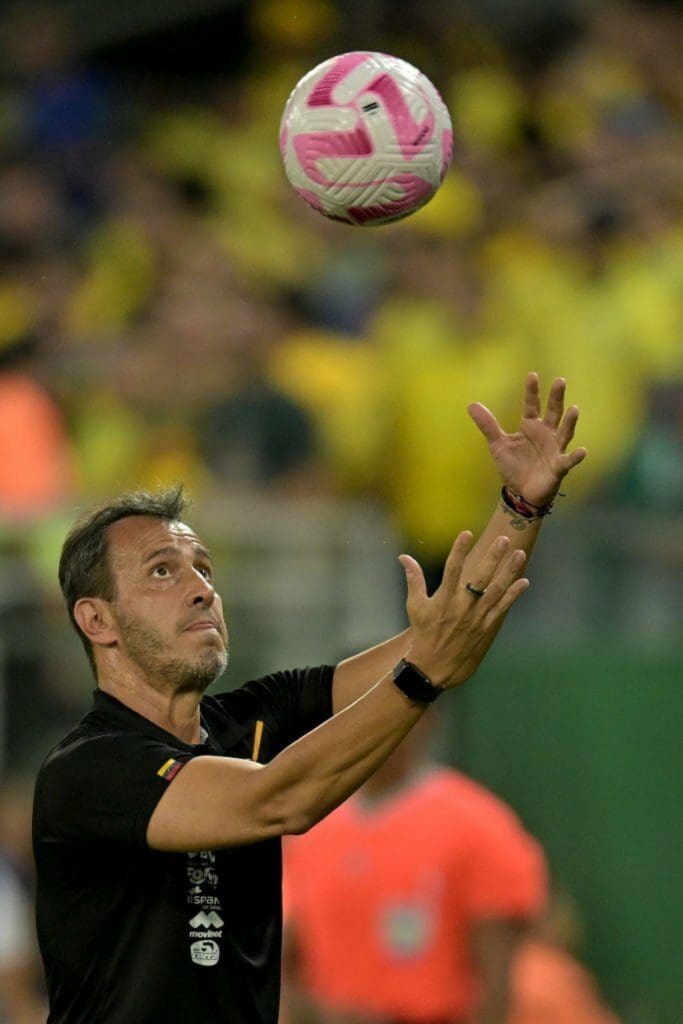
x: 414, y: 684
x: 407, y: 666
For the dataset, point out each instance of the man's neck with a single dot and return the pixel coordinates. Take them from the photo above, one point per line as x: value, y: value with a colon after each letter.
x: 177, y: 713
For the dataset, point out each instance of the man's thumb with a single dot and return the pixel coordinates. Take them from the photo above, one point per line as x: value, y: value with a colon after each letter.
x: 415, y: 580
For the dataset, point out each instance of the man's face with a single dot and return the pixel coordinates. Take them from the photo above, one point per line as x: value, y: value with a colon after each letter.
x: 170, y: 618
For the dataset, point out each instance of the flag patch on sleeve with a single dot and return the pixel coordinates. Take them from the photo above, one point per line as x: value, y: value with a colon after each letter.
x: 170, y: 769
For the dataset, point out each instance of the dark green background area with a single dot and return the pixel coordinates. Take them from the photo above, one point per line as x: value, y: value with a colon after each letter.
x: 586, y: 746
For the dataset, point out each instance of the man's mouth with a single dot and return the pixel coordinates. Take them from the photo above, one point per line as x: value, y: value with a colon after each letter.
x: 202, y: 624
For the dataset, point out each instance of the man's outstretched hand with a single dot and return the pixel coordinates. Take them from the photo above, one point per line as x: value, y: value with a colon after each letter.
x: 533, y: 461
x: 452, y: 630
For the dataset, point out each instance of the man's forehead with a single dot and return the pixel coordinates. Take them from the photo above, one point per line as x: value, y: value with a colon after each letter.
x: 135, y: 536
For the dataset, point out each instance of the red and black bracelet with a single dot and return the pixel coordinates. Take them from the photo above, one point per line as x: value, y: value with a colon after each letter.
x: 519, y: 505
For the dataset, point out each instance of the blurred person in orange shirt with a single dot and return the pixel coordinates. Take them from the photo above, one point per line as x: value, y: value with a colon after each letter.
x: 409, y: 902
x: 36, y: 470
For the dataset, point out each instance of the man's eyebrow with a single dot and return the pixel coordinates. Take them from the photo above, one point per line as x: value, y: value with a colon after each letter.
x: 168, y: 550
x: 171, y: 550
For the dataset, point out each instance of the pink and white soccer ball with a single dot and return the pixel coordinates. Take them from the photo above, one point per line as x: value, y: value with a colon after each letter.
x: 366, y: 138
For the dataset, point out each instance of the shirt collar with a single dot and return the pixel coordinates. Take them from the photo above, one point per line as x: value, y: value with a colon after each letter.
x: 114, y: 710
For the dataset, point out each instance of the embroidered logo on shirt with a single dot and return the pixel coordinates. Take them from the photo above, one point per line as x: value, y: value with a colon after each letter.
x: 170, y: 769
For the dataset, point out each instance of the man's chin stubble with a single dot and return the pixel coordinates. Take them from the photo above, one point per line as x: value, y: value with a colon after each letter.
x: 196, y: 677
x: 174, y: 675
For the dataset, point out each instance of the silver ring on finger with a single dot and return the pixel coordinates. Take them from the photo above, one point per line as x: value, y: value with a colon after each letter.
x: 475, y: 591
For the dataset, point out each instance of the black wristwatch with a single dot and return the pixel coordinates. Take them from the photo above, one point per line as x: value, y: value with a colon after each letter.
x: 415, y: 684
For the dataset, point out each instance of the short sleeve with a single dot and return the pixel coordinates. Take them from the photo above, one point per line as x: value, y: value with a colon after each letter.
x: 104, y: 789
x: 507, y: 874
x: 292, y: 701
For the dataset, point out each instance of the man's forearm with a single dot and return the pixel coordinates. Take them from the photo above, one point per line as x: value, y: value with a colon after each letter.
x: 503, y: 523
x: 323, y: 768
x: 354, y: 676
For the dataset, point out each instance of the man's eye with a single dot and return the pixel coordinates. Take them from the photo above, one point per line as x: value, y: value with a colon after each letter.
x: 161, y: 571
x: 205, y: 571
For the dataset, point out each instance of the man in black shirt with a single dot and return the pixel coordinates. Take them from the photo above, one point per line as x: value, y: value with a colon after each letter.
x: 157, y: 821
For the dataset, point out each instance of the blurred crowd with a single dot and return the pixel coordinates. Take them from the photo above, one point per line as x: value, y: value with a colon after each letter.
x: 169, y: 309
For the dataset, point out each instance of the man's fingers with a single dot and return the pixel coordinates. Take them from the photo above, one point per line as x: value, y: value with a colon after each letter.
x: 513, y: 592
x: 532, y: 399
x: 481, y: 575
x: 415, y: 581
x: 555, y: 406
x: 505, y: 575
x: 486, y: 421
x: 572, y: 459
x: 567, y: 427
x: 455, y: 561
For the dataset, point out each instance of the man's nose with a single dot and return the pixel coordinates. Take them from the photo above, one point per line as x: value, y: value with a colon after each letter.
x: 202, y: 591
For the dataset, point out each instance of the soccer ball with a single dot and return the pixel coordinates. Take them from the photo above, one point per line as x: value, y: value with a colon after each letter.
x: 365, y: 138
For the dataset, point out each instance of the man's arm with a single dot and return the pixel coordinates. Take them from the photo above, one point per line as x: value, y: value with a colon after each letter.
x: 221, y: 801
x: 531, y: 463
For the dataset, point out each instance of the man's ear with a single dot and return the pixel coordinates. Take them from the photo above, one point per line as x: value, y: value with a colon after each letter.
x: 94, y: 617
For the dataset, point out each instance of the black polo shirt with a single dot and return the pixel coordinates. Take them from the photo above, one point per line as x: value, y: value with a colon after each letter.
x: 130, y: 935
